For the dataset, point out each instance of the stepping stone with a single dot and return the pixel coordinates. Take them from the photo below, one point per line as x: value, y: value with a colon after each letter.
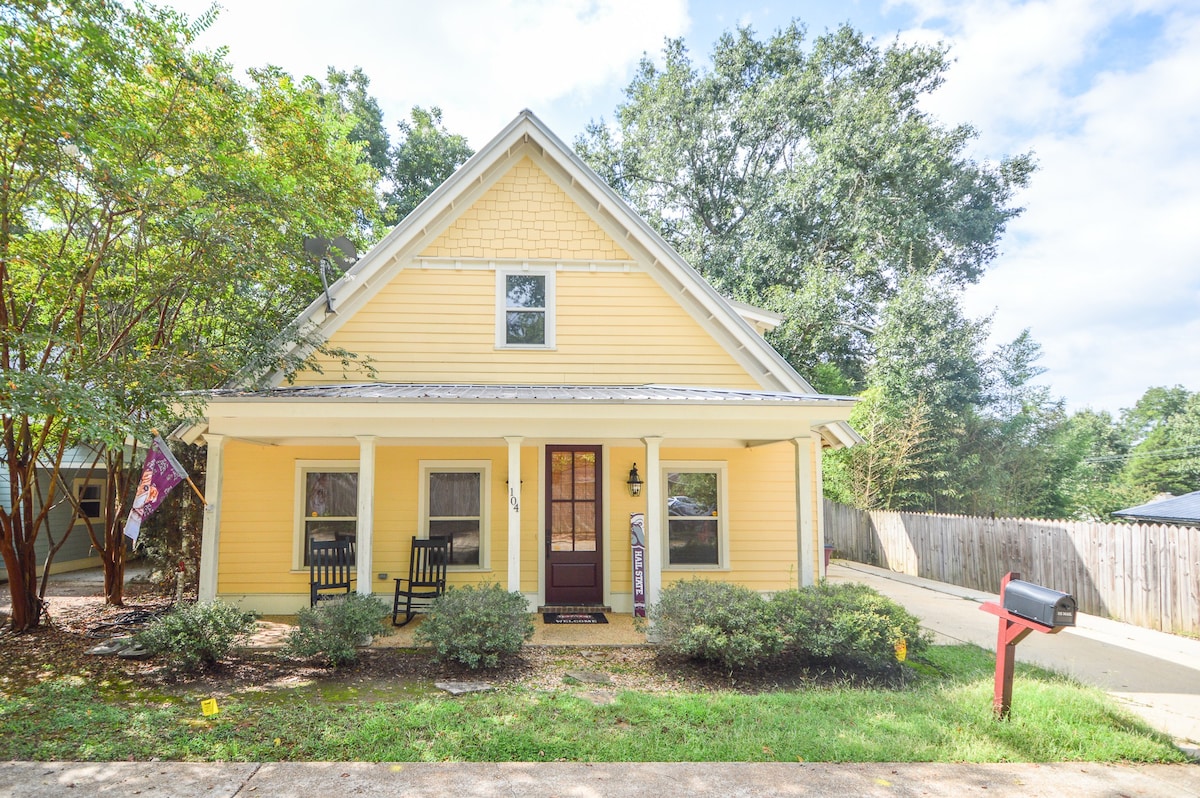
x: 113, y: 645
x: 590, y: 677
x: 135, y: 651
x: 599, y: 698
x: 460, y: 688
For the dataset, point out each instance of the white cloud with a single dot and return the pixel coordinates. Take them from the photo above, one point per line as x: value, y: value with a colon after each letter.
x: 1102, y: 265
x: 481, y: 61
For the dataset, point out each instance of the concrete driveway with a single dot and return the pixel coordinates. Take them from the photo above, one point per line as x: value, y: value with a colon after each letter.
x: 1156, y: 675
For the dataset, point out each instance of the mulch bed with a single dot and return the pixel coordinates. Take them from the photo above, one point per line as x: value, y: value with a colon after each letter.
x: 58, y: 648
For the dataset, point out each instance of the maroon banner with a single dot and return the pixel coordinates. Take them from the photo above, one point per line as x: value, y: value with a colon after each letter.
x: 162, y: 473
x: 637, y: 522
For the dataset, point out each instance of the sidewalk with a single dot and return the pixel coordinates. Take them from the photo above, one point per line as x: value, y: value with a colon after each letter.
x: 600, y: 780
x: 1156, y: 675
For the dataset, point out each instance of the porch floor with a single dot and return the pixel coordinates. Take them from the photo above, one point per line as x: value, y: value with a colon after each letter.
x: 619, y: 631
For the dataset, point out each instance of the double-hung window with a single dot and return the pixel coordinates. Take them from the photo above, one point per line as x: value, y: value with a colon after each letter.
x: 525, y: 308
x: 90, y: 495
x: 327, y: 495
x: 454, y: 506
x: 695, y: 512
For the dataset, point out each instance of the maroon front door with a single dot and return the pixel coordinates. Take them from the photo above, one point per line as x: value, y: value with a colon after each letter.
x: 573, y: 537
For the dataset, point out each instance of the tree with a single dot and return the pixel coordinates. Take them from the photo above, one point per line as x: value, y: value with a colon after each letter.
x: 151, y: 216
x: 425, y: 154
x: 807, y: 178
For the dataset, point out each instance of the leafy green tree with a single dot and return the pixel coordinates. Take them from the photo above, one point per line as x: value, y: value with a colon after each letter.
x: 425, y: 154
x: 151, y: 216
x: 808, y: 178
x: 1165, y: 428
x: 346, y: 94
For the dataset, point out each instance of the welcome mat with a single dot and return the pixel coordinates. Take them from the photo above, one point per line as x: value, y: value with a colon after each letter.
x: 574, y: 617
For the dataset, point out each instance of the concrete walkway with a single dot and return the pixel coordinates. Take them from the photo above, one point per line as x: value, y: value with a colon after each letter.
x: 1155, y: 675
x: 583, y: 780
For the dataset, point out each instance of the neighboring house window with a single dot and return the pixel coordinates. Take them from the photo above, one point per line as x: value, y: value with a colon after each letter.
x: 525, y: 308
x: 328, y: 498
x: 90, y: 495
x: 695, y: 512
x: 454, y: 504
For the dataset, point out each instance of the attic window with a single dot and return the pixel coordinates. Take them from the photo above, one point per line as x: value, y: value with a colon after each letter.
x: 525, y: 309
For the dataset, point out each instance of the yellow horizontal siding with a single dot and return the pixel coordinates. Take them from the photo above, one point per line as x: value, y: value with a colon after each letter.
x: 439, y: 326
x: 258, y: 507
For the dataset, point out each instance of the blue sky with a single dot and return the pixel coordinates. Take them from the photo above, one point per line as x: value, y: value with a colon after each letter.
x: 1104, y: 265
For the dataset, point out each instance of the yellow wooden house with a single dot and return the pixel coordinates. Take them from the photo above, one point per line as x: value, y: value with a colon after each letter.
x: 536, y: 345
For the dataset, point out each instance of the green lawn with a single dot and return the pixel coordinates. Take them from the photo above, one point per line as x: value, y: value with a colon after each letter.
x: 943, y: 715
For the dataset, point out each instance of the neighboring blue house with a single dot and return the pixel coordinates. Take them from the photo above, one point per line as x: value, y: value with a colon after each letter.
x: 1183, y: 510
x: 88, y: 485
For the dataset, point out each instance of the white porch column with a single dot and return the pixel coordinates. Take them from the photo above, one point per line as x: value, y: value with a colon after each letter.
x: 819, y: 478
x: 210, y: 535
x: 514, y: 512
x: 366, y: 514
x: 804, y: 511
x: 654, y: 519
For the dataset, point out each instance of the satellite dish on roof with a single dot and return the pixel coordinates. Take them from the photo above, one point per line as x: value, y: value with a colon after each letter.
x: 339, y: 253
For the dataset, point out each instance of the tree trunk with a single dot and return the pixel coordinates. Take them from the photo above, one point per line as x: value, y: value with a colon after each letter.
x: 113, y: 558
x: 22, y: 584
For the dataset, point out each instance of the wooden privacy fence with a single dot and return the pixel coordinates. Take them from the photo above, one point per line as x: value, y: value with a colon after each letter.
x: 1144, y: 574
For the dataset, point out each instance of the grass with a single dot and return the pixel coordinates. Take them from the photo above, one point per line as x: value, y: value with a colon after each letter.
x: 944, y: 715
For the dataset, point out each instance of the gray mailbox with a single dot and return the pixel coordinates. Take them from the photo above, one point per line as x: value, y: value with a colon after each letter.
x: 1047, y: 607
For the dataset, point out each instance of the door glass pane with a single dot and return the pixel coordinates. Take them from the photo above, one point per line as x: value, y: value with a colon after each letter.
x: 562, y: 532
x: 560, y: 476
x: 585, y: 475
x: 585, y: 526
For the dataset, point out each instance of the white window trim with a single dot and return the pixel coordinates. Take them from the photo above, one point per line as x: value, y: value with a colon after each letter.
x: 304, y: 467
x: 77, y: 488
x: 502, y: 305
x: 484, y: 469
x: 721, y: 469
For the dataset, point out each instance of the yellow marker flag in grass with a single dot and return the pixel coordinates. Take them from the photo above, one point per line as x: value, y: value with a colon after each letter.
x: 209, y: 707
x: 901, y: 650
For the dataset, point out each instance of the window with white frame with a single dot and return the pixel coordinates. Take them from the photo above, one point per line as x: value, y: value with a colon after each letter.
x: 327, y: 494
x: 454, y: 503
x: 90, y: 495
x: 695, y: 512
x: 525, y: 308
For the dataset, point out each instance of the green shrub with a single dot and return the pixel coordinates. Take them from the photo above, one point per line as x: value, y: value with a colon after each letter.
x: 476, y: 625
x: 193, y: 636
x: 847, y: 624
x: 335, y: 628
x: 716, y: 622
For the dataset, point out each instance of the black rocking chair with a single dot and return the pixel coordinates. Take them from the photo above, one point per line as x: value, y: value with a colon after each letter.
x: 426, y: 578
x: 329, y: 563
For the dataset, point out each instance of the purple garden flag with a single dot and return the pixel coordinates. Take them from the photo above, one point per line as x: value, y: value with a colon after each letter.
x: 162, y: 473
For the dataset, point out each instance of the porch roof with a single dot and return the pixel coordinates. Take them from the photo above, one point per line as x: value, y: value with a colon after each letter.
x: 623, y: 412
x: 403, y: 392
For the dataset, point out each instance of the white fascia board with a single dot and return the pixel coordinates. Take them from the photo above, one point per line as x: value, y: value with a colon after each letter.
x: 266, y: 419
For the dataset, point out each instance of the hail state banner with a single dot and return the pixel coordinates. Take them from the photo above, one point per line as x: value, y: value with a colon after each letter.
x: 161, y: 473
x: 637, y: 533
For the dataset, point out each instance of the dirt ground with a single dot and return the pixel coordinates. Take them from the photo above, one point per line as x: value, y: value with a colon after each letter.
x: 76, y: 623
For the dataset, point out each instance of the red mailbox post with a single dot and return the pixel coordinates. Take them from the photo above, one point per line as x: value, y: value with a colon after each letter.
x: 1014, y: 628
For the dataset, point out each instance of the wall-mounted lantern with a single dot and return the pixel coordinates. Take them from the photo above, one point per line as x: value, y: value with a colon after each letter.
x: 634, y: 482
